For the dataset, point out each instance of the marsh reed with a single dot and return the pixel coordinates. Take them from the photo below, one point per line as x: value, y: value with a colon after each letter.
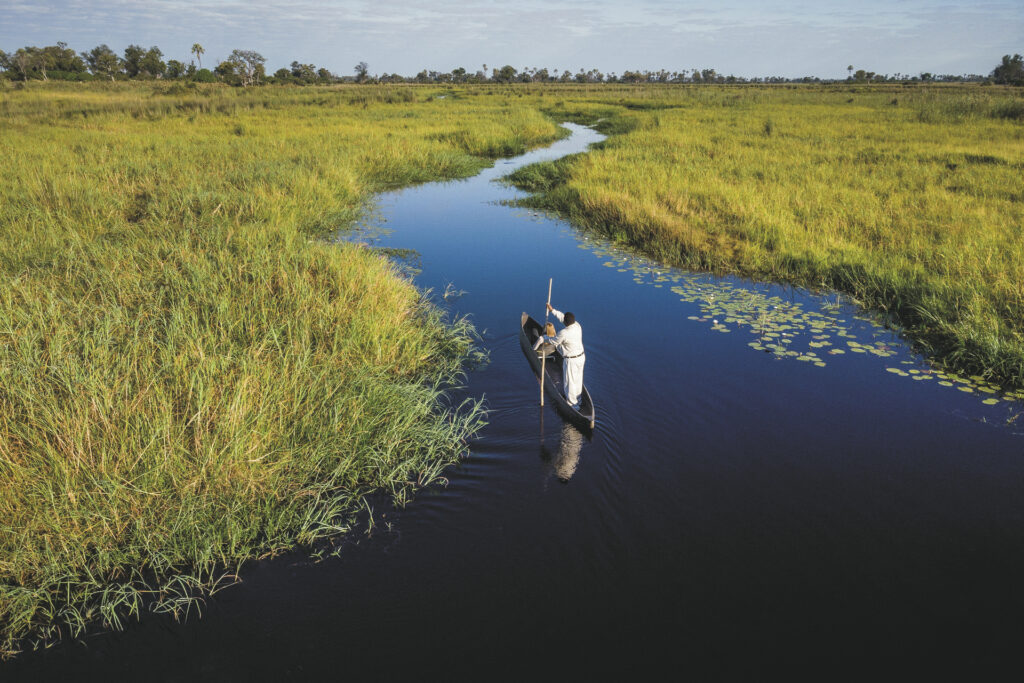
x: 909, y: 199
x: 190, y: 375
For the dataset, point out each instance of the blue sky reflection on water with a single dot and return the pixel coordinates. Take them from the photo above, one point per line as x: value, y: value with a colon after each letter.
x: 778, y: 323
x: 737, y: 510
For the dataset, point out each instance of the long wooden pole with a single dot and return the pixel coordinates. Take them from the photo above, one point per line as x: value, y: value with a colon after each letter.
x: 544, y: 356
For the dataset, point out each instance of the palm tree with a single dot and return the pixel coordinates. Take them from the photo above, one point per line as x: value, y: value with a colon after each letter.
x: 198, y: 51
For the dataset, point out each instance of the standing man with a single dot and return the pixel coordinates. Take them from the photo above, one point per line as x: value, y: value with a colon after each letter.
x: 570, y: 344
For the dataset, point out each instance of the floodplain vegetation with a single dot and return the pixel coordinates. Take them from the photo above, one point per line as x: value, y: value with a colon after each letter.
x: 908, y: 198
x: 191, y: 374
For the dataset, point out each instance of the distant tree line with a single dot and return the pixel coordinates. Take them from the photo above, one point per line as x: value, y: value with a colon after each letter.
x: 59, y: 62
x: 248, y: 68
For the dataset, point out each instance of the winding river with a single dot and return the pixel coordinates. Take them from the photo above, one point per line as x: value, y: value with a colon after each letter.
x: 776, y: 483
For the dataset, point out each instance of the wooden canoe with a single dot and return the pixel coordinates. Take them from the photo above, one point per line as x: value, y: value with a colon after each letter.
x: 583, y: 418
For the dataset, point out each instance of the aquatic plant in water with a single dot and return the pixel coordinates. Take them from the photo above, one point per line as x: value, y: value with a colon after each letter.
x: 784, y: 328
x: 190, y: 376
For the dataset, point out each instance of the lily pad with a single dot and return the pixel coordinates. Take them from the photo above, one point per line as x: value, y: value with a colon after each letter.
x: 783, y: 327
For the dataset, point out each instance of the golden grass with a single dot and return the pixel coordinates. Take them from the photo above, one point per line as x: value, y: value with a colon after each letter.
x: 911, y: 202
x: 189, y: 375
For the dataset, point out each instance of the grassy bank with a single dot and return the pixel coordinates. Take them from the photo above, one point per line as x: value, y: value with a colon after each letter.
x: 189, y: 377
x: 909, y: 199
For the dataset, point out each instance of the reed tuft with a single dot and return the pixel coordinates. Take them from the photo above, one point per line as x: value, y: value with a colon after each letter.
x: 912, y: 204
x: 189, y: 375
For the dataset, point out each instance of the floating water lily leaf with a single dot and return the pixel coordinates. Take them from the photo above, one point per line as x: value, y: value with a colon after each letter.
x: 781, y: 326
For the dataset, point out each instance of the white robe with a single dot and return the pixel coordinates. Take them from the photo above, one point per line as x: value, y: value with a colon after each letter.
x: 570, y: 344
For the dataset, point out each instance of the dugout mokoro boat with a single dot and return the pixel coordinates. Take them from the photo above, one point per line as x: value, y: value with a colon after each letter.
x: 529, y: 331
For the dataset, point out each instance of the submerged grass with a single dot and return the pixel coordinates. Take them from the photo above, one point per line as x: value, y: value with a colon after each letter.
x: 908, y: 199
x: 189, y: 377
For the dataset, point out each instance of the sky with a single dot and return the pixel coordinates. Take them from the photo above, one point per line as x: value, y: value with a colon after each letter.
x: 748, y: 38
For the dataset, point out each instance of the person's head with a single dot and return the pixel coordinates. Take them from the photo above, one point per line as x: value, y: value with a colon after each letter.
x: 549, y: 329
x: 569, y: 318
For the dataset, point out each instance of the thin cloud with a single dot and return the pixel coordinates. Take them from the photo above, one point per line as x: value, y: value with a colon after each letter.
x: 745, y: 37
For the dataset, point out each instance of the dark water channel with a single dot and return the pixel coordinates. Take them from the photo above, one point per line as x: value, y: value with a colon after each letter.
x: 739, y: 512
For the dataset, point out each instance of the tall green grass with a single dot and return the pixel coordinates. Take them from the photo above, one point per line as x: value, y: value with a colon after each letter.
x: 189, y: 376
x: 908, y: 199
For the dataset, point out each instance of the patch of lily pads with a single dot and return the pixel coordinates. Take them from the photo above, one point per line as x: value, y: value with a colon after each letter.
x: 990, y: 394
x: 788, y: 329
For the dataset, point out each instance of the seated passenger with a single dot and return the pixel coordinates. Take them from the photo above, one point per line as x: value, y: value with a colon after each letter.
x: 545, y: 348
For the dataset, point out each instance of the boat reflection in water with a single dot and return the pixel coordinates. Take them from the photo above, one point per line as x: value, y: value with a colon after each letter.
x: 563, y: 463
